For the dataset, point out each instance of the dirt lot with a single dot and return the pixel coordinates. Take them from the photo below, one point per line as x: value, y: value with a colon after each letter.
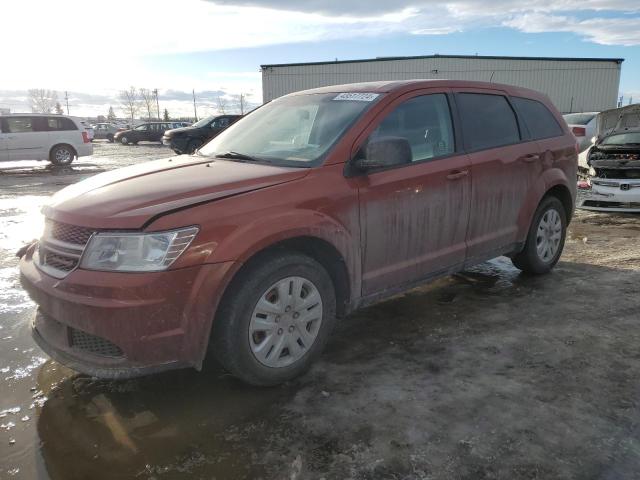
x: 489, y: 374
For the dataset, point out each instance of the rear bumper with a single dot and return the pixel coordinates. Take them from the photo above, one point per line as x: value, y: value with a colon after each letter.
x: 612, y: 195
x: 119, y: 325
x: 85, y: 149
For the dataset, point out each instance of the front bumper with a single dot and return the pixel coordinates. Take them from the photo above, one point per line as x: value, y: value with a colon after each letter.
x: 612, y: 195
x: 120, y: 325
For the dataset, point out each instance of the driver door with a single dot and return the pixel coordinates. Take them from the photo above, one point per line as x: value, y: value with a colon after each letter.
x: 414, y: 217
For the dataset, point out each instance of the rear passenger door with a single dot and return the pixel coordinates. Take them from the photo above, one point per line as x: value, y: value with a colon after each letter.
x: 504, y: 165
x: 413, y: 217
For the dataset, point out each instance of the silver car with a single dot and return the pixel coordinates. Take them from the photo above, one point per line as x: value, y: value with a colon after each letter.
x: 105, y: 131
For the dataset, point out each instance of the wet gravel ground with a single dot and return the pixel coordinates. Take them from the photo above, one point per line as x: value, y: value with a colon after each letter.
x: 487, y: 374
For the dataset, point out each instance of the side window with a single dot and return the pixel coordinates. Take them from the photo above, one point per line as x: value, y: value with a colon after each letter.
x: 537, y: 117
x: 425, y: 122
x: 19, y: 124
x: 487, y: 120
x: 57, y: 124
x: 142, y: 127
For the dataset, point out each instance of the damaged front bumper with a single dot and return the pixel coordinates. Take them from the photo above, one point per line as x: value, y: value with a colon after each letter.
x: 612, y: 195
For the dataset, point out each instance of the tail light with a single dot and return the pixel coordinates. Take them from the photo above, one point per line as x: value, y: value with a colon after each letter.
x: 579, y: 131
x: 85, y: 137
x: 584, y: 185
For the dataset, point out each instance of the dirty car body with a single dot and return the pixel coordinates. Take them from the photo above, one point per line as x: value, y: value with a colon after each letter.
x: 302, y: 186
x: 614, y: 160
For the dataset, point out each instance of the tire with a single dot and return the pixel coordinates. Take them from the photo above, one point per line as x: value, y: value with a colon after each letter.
x: 545, y: 239
x: 193, y: 146
x: 281, y: 350
x: 110, y: 138
x: 124, y: 140
x: 62, y: 155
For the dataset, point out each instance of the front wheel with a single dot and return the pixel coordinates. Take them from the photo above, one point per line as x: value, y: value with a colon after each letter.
x: 124, y: 140
x: 275, y: 319
x: 545, y: 240
x: 193, y: 146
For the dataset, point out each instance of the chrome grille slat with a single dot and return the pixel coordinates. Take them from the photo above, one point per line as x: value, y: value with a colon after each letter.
x: 61, y: 247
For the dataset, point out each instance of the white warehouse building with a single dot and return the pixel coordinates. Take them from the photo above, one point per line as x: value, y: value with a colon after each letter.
x: 573, y: 84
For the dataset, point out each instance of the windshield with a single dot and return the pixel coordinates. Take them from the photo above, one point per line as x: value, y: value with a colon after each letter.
x: 632, y: 138
x: 578, y: 118
x: 203, y: 122
x: 292, y: 131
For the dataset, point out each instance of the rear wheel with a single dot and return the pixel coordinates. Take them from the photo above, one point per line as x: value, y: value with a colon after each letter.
x: 275, y: 320
x: 110, y: 138
x: 62, y: 155
x: 545, y: 240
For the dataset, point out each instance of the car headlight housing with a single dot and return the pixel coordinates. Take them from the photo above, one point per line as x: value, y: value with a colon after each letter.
x: 136, y: 252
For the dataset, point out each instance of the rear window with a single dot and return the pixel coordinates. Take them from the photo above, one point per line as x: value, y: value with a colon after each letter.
x: 538, y: 119
x: 578, y: 118
x: 488, y: 121
x: 57, y: 124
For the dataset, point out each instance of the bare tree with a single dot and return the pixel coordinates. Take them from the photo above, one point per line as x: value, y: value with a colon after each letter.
x: 59, y: 109
x: 130, y: 102
x: 240, y: 102
x: 148, y: 99
x: 221, y: 104
x: 42, y: 101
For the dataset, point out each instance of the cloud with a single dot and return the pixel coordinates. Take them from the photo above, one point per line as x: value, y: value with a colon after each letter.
x: 605, y: 31
x: 476, y: 7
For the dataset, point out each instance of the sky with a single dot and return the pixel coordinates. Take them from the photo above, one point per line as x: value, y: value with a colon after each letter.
x: 217, y: 47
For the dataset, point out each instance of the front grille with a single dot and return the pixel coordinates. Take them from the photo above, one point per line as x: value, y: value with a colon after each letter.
x: 67, y: 233
x: 61, y: 247
x: 94, y: 344
x: 58, y: 262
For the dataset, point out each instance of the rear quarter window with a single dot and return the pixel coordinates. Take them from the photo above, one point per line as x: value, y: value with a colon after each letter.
x: 60, y: 124
x: 540, y: 122
x: 488, y: 121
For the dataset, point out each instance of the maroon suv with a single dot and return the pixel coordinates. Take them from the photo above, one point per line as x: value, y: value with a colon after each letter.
x: 311, y: 206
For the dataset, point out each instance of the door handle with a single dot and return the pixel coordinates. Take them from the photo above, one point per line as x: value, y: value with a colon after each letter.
x: 457, y: 174
x: 532, y: 157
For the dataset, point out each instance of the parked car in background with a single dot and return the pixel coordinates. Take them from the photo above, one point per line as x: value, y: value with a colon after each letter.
x: 105, y: 131
x: 614, y: 161
x: 145, y: 132
x: 583, y: 127
x: 189, y: 139
x: 89, y: 128
x: 57, y: 138
x: 315, y: 204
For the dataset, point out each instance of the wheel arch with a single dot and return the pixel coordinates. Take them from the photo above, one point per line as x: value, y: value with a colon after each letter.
x: 314, y: 247
x: 562, y: 193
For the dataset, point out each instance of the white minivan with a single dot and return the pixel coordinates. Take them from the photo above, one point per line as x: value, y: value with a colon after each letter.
x: 33, y: 136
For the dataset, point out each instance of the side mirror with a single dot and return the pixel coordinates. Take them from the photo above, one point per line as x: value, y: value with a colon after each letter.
x: 384, y: 152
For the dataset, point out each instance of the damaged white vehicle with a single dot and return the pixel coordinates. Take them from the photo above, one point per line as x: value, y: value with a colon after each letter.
x: 614, y: 163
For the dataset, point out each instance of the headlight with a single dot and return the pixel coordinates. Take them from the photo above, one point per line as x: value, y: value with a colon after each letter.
x: 136, y: 252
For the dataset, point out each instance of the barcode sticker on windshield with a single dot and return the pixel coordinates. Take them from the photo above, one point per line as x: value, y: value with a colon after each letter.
x: 357, y: 97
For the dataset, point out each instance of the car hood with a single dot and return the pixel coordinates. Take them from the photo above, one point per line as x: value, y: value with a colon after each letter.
x: 618, y: 120
x: 178, y: 131
x: 129, y: 197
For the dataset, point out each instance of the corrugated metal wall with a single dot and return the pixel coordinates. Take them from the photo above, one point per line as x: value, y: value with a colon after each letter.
x: 572, y: 85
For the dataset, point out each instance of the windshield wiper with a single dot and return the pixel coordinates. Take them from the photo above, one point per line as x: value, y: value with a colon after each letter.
x: 240, y: 156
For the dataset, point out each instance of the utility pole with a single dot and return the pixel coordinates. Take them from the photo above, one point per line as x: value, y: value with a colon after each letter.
x: 66, y: 98
x: 155, y: 92
x: 195, y: 112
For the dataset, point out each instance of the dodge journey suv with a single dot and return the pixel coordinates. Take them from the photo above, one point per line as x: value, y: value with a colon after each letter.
x: 309, y: 207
